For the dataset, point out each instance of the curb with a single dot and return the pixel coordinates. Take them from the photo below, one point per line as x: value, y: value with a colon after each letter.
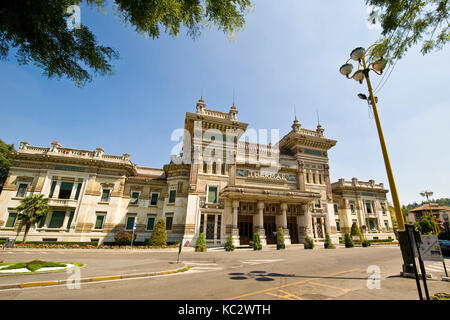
x: 91, y: 279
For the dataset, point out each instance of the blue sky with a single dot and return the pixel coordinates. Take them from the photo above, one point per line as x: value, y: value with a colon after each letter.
x: 288, y: 53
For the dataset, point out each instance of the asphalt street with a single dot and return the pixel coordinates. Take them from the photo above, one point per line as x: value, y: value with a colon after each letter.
x: 291, y: 274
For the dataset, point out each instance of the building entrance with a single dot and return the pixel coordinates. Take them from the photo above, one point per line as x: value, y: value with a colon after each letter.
x: 269, y: 228
x: 245, y: 223
x: 293, y: 229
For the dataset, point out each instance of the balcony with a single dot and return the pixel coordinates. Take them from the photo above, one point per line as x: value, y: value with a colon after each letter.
x: 71, y: 203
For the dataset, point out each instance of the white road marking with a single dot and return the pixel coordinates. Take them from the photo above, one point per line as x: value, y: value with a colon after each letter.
x: 256, y: 262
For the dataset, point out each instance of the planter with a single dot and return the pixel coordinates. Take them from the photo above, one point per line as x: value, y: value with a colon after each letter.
x: 281, y: 246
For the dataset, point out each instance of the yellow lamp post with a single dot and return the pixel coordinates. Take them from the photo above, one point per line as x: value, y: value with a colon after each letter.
x: 370, y: 61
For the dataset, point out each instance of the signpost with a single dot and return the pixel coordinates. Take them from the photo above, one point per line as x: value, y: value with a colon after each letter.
x: 430, y: 250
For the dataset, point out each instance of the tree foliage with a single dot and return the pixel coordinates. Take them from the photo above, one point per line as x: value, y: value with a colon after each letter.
x: 309, y: 243
x: 327, y: 243
x: 31, y: 210
x: 159, y: 235
x: 5, y: 160
x: 409, y: 22
x: 229, y: 246
x: 37, y: 30
x: 348, y: 240
x: 200, y: 244
x: 426, y: 225
x: 257, y: 241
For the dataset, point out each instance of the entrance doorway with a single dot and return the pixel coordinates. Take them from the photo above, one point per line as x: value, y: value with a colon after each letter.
x: 269, y: 228
x: 245, y: 224
x: 293, y: 229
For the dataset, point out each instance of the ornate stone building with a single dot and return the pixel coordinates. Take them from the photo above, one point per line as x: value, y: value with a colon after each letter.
x: 219, y: 185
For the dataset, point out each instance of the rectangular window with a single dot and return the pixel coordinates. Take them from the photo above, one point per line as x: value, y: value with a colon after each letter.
x: 77, y: 194
x: 130, y: 223
x: 105, y: 195
x: 338, y: 226
x: 169, y: 221
x: 335, y: 208
x: 386, y: 224
x: 368, y: 207
x: 65, y: 190
x: 150, y: 223
x: 57, y: 219
x: 154, y: 199
x: 70, y: 219
x: 10, y: 223
x: 212, y: 194
x: 99, y: 222
x: 172, y: 196
x: 134, y: 197
x: 52, y: 189
x: 41, y: 222
x: 352, y: 207
x: 317, y: 204
x: 22, y: 190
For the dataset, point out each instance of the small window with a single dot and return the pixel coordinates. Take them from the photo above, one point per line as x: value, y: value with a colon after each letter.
x: 154, y: 199
x: 10, y: 223
x: 57, y: 219
x: 335, y: 206
x: 150, y: 223
x: 52, y: 189
x: 130, y: 223
x: 77, y: 193
x: 134, y: 197
x: 41, y: 222
x: 338, y: 226
x: 172, y: 196
x: 65, y: 190
x: 99, y: 222
x: 352, y: 207
x: 212, y: 194
x: 383, y: 209
x: 69, y: 223
x: 317, y: 204
x: 169, y: 221
x: 22, y: 190
x: 105, y: 195
x: 386, y: 224
x: 368, y: 207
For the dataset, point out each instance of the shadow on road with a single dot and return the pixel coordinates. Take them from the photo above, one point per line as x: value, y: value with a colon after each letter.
x: 265, y: 276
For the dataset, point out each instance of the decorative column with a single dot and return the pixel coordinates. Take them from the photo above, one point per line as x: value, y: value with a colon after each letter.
x: 307, y: 223
x: 235, y: 230
x: 66, y: 219
x: 216, y: 218
x: 284, y: 224
x: 260, y: 226
x: 74, y: 191
x: 301, y: 175
x: 56, y: 191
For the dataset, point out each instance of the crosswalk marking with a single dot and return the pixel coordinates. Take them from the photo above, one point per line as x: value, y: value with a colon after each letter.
x: 256, y: 262
x: 201, y: 266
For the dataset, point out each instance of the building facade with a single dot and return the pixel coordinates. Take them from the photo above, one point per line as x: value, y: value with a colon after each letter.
x: 219, y: 185
x: 440, y: 214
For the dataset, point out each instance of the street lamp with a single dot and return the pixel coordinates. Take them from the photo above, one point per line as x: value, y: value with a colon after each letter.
x: 369, y: 60
x: 427, y: 194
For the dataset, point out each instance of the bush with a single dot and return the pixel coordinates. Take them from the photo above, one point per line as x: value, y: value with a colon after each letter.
x: 328, y: 244
x: 356, y: 232
x: 34, y: 267
x: 15, y: 266
x: 200, y: 245
x: 257, y: 242
x: 309, y: 243
x: 348, y: 241
x: 159, y: 236
x: 50, y: 264
x: 123, y: 238
x: 229, y: 246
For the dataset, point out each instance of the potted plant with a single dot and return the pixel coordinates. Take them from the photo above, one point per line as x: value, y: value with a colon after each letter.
x: 200, y: 245
x: 309, y: 243
x: 229, y: 246
x: 348, y: 240
x: 280, y: 239
x: 257, y: 242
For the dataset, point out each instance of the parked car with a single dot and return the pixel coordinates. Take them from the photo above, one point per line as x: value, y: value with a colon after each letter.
x: 445, y: 247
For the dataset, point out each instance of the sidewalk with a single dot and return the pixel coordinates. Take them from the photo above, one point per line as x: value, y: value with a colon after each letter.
x: 98, y: 269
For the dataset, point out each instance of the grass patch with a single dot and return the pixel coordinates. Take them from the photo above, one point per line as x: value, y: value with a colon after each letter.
x: 184, y: 269
x: 35, y: 265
